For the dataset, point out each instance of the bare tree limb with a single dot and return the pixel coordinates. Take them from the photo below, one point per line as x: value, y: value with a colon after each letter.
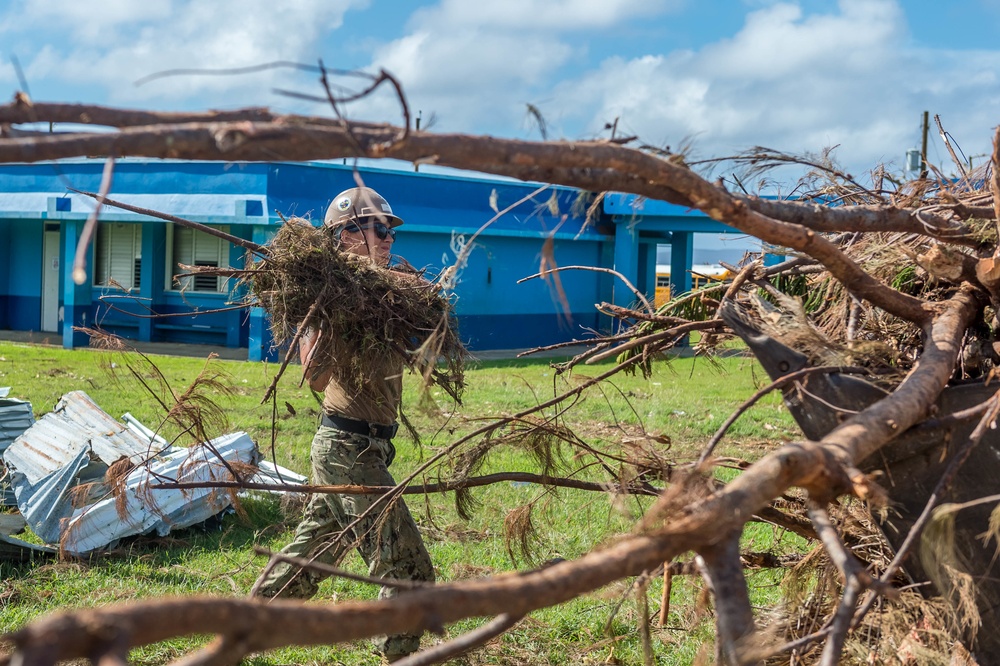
x: 462, y: 644
x: 638, y: 294
x: 652, y: 176
x: 962, y: 168
x: 342, y: 573
x: 874, y: 219
x: 223, y: 651
x: 20, y: 112
x: 620, y: 312
x: 416, y: 489
x: 668, y: 579
x: 856, y: 580
x: 733, y: 614
x: 669, y: 334
x: 80, y: 260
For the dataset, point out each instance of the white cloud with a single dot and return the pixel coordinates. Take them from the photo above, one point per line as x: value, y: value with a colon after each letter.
x: 790, y: 78
x: 778, y: 41
x: 796, y: 83
x: 110, y: 45
x: 87, y: 22
x: 471, y: 62
x: 535, y: 15
x: 476, y: 65
x: 466, y: 82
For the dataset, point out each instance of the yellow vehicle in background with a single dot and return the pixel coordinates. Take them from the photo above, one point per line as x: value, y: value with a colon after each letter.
x: 701, y: 275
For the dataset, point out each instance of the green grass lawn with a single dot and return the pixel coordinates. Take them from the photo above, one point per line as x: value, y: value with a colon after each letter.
x: 684, y: 403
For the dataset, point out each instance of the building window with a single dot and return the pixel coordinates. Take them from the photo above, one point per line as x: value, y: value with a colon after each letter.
x: 118, y: 256
x: 196, y: 248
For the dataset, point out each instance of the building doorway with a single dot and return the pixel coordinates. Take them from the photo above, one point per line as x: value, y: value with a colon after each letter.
x: 50, y: 278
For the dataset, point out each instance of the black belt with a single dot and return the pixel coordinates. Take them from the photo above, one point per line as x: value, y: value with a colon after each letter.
x: 360, y: 427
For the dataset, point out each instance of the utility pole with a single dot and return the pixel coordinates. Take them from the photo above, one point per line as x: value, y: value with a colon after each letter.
x: 923, y: 146
x: 416, y: 167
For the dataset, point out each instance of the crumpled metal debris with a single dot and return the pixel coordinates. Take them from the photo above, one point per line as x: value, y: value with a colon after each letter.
x: 138, y: 509
x: 15, y: 550
x: 15, y: 417
x: 58, y: 470
x: 267, y: 472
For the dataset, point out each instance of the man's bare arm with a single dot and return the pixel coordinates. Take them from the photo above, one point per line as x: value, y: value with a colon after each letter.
x: 317, y: 376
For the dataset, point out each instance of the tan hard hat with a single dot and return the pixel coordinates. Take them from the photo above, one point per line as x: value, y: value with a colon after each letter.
x: 358, y: 203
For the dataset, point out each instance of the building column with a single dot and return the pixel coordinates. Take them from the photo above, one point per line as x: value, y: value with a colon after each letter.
x: 681, y: 260
x: 626, y: 262
x: 647, y: 270
x: 236, y: 336
x: 151, y: 277
x: 260, y: 344
x: 76, y: 298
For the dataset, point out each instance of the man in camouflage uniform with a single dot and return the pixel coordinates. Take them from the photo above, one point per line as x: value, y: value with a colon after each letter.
x: 353, y: 447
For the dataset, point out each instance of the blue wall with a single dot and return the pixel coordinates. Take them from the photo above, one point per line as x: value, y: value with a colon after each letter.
x: 426, y: 202
x: 5, y: 232
x: 494, y: 312
x: 24, y: 290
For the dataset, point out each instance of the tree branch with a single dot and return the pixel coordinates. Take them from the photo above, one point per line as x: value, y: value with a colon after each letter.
x: 723, y: 572
x: 462, y: 644
x: 638, y: 294
x: 418, y: 489
x: 651, y: 176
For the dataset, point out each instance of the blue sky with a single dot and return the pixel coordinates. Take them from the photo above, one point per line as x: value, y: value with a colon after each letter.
x: 718, y: 76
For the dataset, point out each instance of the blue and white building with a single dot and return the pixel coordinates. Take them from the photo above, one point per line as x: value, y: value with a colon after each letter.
x: 134, y: 258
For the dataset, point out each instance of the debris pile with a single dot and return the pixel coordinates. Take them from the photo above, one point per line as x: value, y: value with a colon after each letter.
x: 84, y: 480
x: 305, y: 282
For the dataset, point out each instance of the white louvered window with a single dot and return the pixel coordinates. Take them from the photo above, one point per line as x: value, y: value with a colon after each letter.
x: 196, y: 248
x: 118, y: 255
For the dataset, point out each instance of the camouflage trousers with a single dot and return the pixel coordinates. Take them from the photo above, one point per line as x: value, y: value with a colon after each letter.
x: 388, y: 541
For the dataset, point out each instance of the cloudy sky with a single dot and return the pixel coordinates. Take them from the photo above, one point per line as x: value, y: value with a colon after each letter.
x: 720, y: 76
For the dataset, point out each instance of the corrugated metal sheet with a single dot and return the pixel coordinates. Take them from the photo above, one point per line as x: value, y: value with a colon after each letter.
x: 77, y: 442
x: 73, y: 444
x: 59, y: 437
x: 268, y: 472
x: 15, y: 418
x: 12, y: 523
x: 147, y: 510
x: 271, y: 473
x: 143, y: 430
x: 46, y: 503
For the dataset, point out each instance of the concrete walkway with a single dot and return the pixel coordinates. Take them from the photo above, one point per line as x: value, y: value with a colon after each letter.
x: 240, y: 353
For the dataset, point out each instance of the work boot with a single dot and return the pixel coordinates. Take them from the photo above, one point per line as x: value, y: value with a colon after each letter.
x: 394, y: 648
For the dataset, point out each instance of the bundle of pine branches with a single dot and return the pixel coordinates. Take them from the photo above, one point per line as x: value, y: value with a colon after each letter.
x: 359, y: 312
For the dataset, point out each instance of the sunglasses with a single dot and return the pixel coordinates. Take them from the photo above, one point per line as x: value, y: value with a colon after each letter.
x: 381, y: 229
